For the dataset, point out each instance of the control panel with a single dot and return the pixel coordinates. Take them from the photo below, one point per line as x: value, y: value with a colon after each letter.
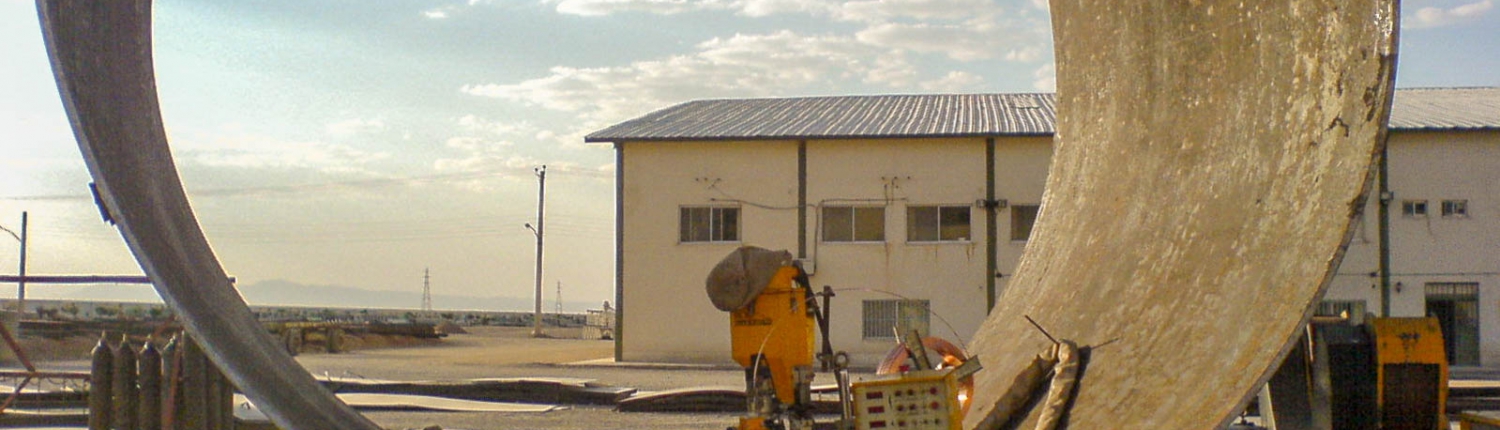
x: 916, y: 400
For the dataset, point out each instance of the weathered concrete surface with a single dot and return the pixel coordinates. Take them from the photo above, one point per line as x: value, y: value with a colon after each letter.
x: 101, y: 56
x: 1209, y: 159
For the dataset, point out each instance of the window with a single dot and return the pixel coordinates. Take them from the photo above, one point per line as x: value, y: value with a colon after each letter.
x: 1414, y: 208
x: 1022, y: 217
x: 937, y: 223
x: 710, y: 224
x: 882, y: 318
x: 1455, y: 208
x: 853, y: 224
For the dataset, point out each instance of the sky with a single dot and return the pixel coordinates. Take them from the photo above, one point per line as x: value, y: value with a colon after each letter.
x: 358, y: 144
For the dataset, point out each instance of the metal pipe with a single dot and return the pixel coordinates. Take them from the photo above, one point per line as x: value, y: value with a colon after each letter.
x: 991, y: 231
x: 1383, y: 213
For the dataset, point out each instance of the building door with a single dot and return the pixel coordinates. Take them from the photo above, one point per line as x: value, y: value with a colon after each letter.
x: 1456, y: 307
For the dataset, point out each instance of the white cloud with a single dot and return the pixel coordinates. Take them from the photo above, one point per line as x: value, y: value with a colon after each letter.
x: 439, y: 13
x: 474, y: 124
x: 488, y: 162
x: 863, y: 11
x: 893, y: 70
x: 921, y: 10
x: 739, y: 66
x: 1430, y: 17
x: 772, y: 7
x: 607, y: 7
x: 1045, y: 78
x: 977, y: 39
x: 354, y: 126
x: 249, y: 151
x: 954, y: 82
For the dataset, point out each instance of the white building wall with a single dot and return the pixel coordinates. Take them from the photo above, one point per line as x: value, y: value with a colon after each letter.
x: 1435, y: 166
x: 1021, y: 165
x: 668, y: 318
x: 895, y: 174
x: 666, y: 313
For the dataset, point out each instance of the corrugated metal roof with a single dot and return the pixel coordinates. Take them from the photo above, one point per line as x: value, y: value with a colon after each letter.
x: 957, y: 115
x: 1446, y: 109
x: 842, y: 117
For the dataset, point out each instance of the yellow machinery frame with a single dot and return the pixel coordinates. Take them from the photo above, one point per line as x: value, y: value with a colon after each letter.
x: 778, y: 329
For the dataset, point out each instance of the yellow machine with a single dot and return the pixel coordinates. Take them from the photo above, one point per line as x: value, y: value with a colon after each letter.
x: 1362, y: 373
x: 1411, y: 373
x: 772, y: 312
x: 772, y: 339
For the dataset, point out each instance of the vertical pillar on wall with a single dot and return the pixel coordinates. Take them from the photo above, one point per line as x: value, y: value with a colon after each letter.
x: 1383, y: 212
x: 619, y: 334
x: 991, y: 231
x: 802, y: 199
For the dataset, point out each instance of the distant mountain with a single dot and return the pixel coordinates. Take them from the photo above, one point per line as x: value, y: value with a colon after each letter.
x: 288, y: 293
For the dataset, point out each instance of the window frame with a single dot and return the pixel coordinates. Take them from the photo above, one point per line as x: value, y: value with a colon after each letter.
x: 715, y: 218
x: 911, y: 217
x: 1409, y: 208
x: 1454, y: 208
x: 853, y: 224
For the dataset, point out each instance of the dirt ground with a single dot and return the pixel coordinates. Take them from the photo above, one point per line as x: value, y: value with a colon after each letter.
x: 498, y: 352
x: 493, y: 352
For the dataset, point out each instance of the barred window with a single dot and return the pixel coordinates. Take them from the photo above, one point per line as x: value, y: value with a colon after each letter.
x: 710, y: 224
x: 883, y: 317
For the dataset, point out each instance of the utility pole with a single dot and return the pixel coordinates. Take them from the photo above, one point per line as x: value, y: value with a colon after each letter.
x: 21, y: 278
x: 557, y: 300
x: 21, y: 283
x: 541, y: 205
x: 426, y: 290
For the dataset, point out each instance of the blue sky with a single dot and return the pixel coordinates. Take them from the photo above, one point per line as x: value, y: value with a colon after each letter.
x: 356, y: 143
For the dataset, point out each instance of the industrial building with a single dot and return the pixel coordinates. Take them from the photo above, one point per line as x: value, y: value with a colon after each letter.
x: 906, y: 204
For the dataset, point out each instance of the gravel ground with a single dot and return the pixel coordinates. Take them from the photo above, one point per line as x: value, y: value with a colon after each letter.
x: 495, y: 352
